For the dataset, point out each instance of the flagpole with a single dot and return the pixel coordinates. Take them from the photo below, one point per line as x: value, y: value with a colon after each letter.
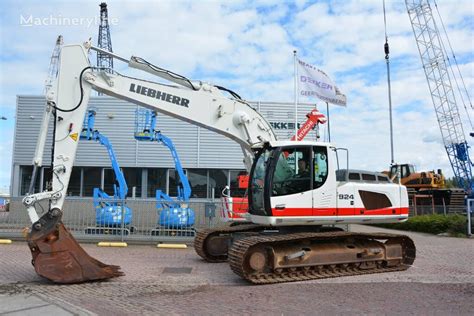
x: 387, y: 59
x: 329, y: 124
x: 296, y: 97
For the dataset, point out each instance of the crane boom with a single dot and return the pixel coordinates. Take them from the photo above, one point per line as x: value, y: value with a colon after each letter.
x: 313, y: 118
x: 430, y: 47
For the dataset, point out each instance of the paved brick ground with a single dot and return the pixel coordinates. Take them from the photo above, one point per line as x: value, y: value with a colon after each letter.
x: 440, y: 282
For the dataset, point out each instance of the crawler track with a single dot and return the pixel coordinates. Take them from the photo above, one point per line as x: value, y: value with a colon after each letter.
x: 239, y: 256
x: 202, y: 236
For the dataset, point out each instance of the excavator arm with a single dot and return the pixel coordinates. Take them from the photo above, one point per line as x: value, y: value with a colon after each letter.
x: 198, y: 103
x: 56, y: 254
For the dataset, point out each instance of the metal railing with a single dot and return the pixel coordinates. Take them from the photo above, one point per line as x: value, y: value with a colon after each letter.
x: 79, y: 216
x: 425, y: 205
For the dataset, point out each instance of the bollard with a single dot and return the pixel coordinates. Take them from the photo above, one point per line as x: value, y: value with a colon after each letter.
x: 469, y: 212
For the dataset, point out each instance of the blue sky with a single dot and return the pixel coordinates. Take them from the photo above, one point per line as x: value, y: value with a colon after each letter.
x: 247, y: 46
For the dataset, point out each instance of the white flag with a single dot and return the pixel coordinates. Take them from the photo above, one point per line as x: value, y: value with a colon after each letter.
x: 314, y: 82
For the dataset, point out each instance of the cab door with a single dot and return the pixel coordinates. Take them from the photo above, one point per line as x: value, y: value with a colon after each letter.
x: 324, y: 182
x: 291, y: 193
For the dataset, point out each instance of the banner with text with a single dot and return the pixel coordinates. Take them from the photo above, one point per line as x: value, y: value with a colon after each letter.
x: 314, y: 82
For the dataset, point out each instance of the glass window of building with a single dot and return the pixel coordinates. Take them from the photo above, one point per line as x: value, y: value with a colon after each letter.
x: 74, y: 188
x: 236, y: 176
x: 133, y: 176
x: 218, y: 181
x: 174, y: 181
x: 198, y: 182
x: 47, y: 179
x: 92, y: 179
x: 26, y: 174
x: 156, y: 181
x: 109, y: 181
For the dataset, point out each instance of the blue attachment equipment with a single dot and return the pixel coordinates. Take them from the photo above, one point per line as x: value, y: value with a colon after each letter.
x: 173, y: 213
x: 108, y: 209
x: 462, y: 165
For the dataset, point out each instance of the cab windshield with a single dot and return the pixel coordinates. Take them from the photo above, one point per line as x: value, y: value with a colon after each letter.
x: 292, y: 172
x: 257, y: 182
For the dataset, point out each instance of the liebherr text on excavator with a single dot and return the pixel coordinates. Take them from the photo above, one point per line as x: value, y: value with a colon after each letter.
x: 295, y: 189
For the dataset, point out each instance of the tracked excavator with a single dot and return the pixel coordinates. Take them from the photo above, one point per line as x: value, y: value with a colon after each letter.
x: 289, y: 204
x: 416, y: 180
x: 427, y: 188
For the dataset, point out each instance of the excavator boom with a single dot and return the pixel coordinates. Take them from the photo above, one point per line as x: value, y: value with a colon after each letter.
x: 56, y: 254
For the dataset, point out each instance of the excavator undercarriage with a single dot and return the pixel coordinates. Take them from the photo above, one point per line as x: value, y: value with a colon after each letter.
x: 265, y: 255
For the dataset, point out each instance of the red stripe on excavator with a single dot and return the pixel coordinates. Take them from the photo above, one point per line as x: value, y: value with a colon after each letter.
x: 338, y: 211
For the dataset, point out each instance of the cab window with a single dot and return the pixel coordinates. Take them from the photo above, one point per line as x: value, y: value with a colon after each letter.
x: 320, y: 166
x: 405, y: 171
x: 292, y: 172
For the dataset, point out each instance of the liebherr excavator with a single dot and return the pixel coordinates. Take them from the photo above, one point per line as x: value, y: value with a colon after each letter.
x: 290, y: 202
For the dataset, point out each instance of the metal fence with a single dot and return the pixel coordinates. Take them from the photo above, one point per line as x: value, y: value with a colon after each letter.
x: 417, y: 210
x: 79, y: 216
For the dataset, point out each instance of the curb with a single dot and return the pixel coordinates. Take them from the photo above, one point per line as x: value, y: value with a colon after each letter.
x: 172, y: 246
x: 112, y: 244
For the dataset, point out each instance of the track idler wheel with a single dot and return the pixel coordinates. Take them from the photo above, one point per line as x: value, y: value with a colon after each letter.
x: 58, y: 257
x: 257, y: 260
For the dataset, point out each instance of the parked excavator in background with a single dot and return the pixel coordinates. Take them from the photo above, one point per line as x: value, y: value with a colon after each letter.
x: 290, y: 207
x: 234, y: 208
x: 416, y: 180
x: 175, y: 215
x: 112, y: 214
x: 427, y: 189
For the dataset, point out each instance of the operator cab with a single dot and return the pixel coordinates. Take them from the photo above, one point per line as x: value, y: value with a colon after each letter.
x: 404, y: 170
x: 300, y: 183
x: 289, y: 169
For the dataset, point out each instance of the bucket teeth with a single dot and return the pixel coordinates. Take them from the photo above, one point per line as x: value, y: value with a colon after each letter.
x: 58, y: 257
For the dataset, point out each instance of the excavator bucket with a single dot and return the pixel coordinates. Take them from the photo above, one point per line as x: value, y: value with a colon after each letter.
x: 58, y: 257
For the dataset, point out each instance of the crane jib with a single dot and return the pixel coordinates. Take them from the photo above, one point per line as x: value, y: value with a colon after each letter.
x: 152, y: 93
